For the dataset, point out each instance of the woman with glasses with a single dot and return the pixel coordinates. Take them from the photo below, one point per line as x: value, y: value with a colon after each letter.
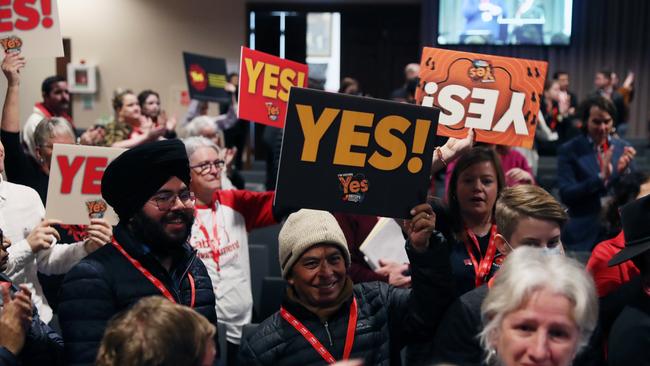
x: 220, y: 234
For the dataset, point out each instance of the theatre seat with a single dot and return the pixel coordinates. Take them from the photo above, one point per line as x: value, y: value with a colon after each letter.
x: 273, y: 289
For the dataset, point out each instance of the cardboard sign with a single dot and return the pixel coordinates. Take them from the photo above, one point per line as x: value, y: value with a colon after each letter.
x: 264, y: 86
x: 74, y: 190
x: 353, y: 154
x: 497, y: 96
x: 206, y: 77
x: 31, y: 27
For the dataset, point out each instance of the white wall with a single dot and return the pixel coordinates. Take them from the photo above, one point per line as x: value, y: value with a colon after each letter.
x: 137, y: 44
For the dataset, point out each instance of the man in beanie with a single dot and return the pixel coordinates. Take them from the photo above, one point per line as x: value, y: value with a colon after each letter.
x: 324, y: 317
x: 148, y: 188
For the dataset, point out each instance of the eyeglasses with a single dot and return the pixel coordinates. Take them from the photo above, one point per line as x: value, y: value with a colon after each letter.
x: 204, y: 167
x: 165, y: 201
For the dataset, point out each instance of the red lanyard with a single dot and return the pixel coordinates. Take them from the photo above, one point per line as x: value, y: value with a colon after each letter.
x: 155, y: 281
x: 482, y: 269
x: 598, y: 153
x: 324, y: 353
x: 212, y: 242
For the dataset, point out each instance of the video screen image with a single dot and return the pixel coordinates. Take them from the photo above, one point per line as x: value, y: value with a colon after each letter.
x: 505, y: 22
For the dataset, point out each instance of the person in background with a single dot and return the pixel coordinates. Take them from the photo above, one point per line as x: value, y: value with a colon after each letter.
x: 605, y: 88
x: 403, y: 94
x: 205, y: 126
x: 129, y: 127
x: 526, y: 215
x: 626, y: 90
x: 588, y: 166
x: 148, y: 187
x: 156, y: 331
x: 56, y: 103
x: 149, y: 101
x: 372, y: 321
x: 235, y: 132
x: 223, y: 219
x: 629, y: 338
x: 541, y: 310
x: 350, y: 86
x: 562, y: 77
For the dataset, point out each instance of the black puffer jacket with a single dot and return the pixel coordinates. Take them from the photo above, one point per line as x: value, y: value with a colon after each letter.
x: 43, y: 346
x: 388, y: 318
x: 106, y: 283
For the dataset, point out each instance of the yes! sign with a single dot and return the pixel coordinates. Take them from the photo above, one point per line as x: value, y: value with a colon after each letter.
x: 345, y: 153
x: 31, y: 27
x: 74, y: 192
x: 497, y: 96
x: 264, y: 86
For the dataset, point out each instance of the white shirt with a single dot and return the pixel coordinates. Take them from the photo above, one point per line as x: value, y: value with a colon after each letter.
x: 226, y: 224
x: 20, y: 211
x: 27, y: 135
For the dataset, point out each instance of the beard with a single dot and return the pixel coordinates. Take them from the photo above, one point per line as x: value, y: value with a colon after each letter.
x: 153, y: 233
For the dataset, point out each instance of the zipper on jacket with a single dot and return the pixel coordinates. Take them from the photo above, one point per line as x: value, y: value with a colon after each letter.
x: 329, y: 336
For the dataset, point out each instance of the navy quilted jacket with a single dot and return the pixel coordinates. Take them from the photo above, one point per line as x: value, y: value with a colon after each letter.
x: 106, y: 283
x: 43, y: 346
x: 388, y: 318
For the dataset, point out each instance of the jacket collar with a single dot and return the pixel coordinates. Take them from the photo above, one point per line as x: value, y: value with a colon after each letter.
x: 142, y: 252
x: 301, y: 310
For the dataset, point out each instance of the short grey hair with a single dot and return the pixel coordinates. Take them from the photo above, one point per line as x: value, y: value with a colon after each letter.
x: 196, y: 142
x: 199, y: 123
x: 527, y: 270
x: 47, y: 128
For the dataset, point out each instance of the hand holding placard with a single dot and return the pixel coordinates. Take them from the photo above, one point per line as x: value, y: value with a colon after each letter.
x: 420, y: 226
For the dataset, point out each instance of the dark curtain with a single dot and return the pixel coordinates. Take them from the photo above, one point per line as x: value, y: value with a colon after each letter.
x: 606, y: 34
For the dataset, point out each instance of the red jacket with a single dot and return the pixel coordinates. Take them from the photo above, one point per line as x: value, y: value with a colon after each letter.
x: 607, y: 278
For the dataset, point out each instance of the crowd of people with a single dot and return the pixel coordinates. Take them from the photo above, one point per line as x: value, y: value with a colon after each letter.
x: 490, y: 278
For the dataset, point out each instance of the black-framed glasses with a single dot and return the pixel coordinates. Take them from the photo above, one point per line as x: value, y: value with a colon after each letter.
x: 166, y: 200
x: 204, y: 167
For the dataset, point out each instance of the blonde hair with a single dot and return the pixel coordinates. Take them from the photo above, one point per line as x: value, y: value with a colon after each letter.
x: 156, y: 331
x: 525, y: 200
x: 527, y: 270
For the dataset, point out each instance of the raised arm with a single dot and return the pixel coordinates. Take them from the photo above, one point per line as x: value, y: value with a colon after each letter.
x: 11, y: 66
x: 451, y: 151
x: 414, y: 314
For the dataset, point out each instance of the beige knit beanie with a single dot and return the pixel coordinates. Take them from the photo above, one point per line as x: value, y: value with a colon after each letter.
x: 305, y: 229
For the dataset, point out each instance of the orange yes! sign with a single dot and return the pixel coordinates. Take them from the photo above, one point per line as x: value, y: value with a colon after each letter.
x: 497, y: 96
x: 264, y: 86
